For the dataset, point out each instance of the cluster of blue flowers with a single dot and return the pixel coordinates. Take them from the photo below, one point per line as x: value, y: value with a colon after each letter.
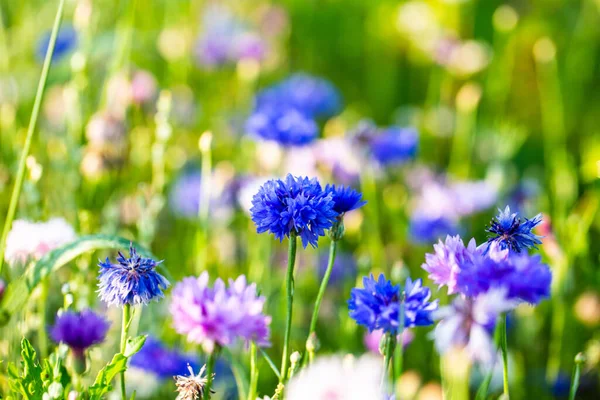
x: 287, y: 113
x: 300, y: 206
x: 379, y: 304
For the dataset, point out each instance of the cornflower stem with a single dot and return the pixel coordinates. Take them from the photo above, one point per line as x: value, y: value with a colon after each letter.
x: 399, y: 350
x: 289, y: 285
x: 14, y: 198
x: 483, y: 388
x: 504, y: 347
x: 253, y: 371
x: 579, y: 359
x: 315, y: 316
x: 124, y: 334
x: 388, y: 354
x: 210, y: 368
x: 204, y: 144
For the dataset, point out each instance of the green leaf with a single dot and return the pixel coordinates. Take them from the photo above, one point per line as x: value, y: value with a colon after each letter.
x: 18, y: 291
x: 102, y: 385
x: 134, y: 345
x: 29, y: 384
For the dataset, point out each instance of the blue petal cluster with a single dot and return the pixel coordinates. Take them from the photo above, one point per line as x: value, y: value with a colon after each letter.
x: 377, y: 305
x: 524, y: 277
x: 345, y: 198
x: 513, y: 233
x: 295, y: 205
x: 66, y: 41
x: 164, y: 363
x: 79, y: 330
x: 132, y: 280
x: 287, y: 112
x: 394, y: 145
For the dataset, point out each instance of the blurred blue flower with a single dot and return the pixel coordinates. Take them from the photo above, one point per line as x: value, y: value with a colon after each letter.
x: 164, y: 363
x: 511, y: 232
x: 344, y: 268
x: 424, y: 229
x: 132, y: 280
x: 311, y: 95
x: 66, y: 41
x: 294, y: 205
x: 282, y: 124
x: 394, y: 145
x: 345, y: 198
x: 79, y: 330
x: 286, y: 112
x: 377, y: 305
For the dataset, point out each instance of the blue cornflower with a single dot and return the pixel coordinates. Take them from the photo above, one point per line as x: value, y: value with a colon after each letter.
x: 313, y: 96
x: 424, y: 229
x: 132, y: 280
x: 164, y: 363
x: 66, y: 40
x: 295, y: 205
x: 282, y: 124
x: 345, y: 198
x: 394, y: 145
x: 79, y: 330
x: 377, y: 305
x: 513, y: 233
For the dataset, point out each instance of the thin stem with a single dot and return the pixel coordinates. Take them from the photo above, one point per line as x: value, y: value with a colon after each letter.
x: 504, y: 347
x: 483, y: 389
x: 289, y: 285
x: 14, y: 198
x: 579, y: 359
x: 204, y: 144
x: 271, y: 363
x: 390, y: 341
x: 253, y: 371
x: 124, y: 334
x: 320, y: 295
x: 210, y: 368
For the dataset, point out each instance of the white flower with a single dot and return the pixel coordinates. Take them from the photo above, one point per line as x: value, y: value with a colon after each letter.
x: 470, y: 323
x: 339, y: 378
x: 31, y: 240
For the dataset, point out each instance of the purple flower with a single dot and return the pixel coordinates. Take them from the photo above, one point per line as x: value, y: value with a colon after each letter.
x: 377, y: 305
x: 132, y: 280
x: 511, y: 232
x: 345, y: 198
x: 394, y: 145
x: 79, y: 330
x: 470, y: 323
x: 445, y: 264
x: 294, y: 206
x: 219, y: 315
x: 161, y: 361
x: 282, y: 124
x: 313, y: 96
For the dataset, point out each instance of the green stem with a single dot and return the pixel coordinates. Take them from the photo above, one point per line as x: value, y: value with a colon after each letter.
x: 124, y: 334
x: 253, y: 371
x: 289, y: 285
x: 204, y: 199
x: 504, y: 347
x: 14, y: 198
x: 271, y: 363
x: 210, y: 367
x: 483, y: 389
x: 315, y: 316
x: 388, y: 353
x: 579, y: 359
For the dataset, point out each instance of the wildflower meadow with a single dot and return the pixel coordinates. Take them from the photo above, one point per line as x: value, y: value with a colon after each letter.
x: 299, y: 199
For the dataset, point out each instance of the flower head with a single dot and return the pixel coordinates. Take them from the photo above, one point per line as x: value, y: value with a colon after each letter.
x: 345, y: 198
x: 444, y: 264
x: 79, y: 330
x: 32, y: 240
x: 336, y: 377
x: 219, y: 314
x: 313, y: 96
x: 191, y: 387
x: 378, y: 304
x: 470, y: 323
x: 511, y: 232
x: 161, y: 361
x: 293, y: 206
x: 282, y: 124
x: 394, y: 145
x: 66, y: 41
x: 132, y: 280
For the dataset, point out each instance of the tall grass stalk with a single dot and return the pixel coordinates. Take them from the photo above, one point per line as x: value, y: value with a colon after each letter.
x: 14, y: 198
